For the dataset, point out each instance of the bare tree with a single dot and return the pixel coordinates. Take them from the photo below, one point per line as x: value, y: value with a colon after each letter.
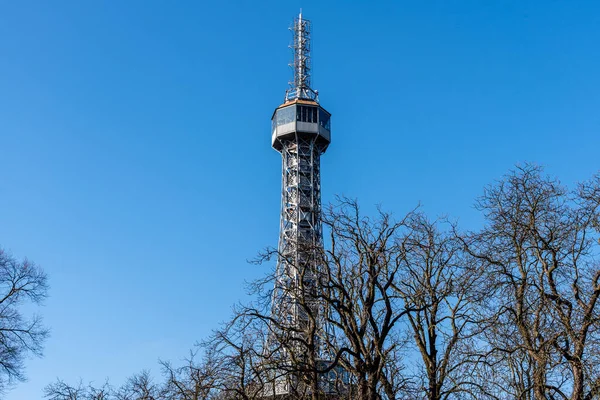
x: 243, y: 359
x: 356, y: 303
x: 361, y: 266
x: 137, y: 387
x: 20, y: 282
x: 193, y: 380
x: 443, y: 288
x: 539, y: 249
x: 140, y: 386
x: 60, y: 390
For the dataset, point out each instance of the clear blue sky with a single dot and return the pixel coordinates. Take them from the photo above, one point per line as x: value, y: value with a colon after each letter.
x: 136, y: 168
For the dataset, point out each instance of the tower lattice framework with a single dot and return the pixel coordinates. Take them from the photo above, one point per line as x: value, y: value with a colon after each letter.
x: 301, y: 132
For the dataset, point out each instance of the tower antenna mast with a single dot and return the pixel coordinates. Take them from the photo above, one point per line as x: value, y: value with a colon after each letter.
x: 300, y: 86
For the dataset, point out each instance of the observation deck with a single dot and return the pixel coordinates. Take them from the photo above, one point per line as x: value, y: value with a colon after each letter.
x: 300, y: 117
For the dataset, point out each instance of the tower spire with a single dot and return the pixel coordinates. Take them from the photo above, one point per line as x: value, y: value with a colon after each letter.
x: 301, y: 62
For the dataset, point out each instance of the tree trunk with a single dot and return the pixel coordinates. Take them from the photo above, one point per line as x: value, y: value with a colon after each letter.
x: 539, y: 382
x: 372, y: 394
x: 577, y: 393
x: 434, y: 389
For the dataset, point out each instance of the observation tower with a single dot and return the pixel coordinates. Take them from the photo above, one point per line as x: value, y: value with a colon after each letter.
x: 301, y: 132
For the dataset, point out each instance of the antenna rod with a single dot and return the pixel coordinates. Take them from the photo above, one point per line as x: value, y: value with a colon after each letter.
x: 301, y: 70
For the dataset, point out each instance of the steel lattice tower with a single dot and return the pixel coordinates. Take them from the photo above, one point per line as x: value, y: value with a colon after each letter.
x: 301, y: 132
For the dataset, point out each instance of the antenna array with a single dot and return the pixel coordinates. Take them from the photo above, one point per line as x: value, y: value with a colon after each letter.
x: 301, y: 62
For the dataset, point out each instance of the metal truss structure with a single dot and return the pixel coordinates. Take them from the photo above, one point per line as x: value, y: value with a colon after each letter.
x: 300, y: 87
x: 300, y: 233
x: 301, y: 132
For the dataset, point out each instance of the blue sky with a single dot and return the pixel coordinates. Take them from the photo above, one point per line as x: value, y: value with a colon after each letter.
x: 135, y: 158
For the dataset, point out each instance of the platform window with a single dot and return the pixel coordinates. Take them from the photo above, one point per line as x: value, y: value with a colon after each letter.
x: 286, y: 115
x: 324, y: 120
x: 306, y: 114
